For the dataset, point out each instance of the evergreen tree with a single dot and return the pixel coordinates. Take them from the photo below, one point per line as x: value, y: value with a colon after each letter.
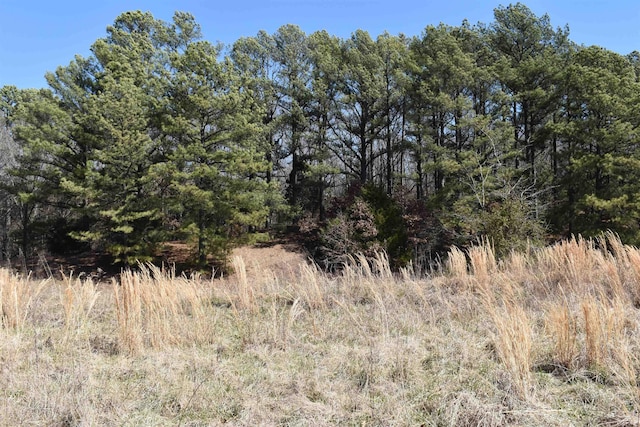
x: 158, y: 135
x: 121, y: 199
x: 217, y: 169
x: 598, y: 147
x: 293, y: 82
x: 358, y: 116
x: 440, y: 72
x: 41, y: 129
x: 253, y: 58
x: 393, y: 51
x: 531, y: 55
x: 322, y: 167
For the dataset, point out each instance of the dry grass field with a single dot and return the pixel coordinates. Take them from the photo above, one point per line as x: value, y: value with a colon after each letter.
x: 545, y: 338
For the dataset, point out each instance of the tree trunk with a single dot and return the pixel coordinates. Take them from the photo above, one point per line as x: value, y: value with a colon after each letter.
x: 202, y: 256
x: 25, y: 230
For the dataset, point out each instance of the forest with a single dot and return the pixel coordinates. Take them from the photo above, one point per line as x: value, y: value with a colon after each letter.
x: 506, y: 132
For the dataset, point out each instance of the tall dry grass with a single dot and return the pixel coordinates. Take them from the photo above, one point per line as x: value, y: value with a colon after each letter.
x: 513, y: 342
x: 155, y: 308
x: 78, y: 299
x: 586, y: 291
x: 548, y: 336
x: 563, y: 328
x: 17, y: 299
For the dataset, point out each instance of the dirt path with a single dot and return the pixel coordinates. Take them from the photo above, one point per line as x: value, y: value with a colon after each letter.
x: 280, y: 259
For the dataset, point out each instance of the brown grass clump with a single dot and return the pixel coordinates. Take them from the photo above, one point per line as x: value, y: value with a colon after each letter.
x: 155, y: 308
x: 563, y: 328
x: 78, y: 299
x: 513, y: 342
x: 543, y: 337
x: 17, y: 296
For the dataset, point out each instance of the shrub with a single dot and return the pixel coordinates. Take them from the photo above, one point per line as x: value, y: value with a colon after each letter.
x: 366, y: 220
x: 506, y: 222
x: 391, y: 225
x: 350, y: 232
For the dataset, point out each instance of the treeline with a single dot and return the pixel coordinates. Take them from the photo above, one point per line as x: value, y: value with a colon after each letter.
x: 505, y: 131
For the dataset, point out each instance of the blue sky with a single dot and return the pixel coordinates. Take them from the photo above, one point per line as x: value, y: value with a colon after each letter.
x: 38, y: 36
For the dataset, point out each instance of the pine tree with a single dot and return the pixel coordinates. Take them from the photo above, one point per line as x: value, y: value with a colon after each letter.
x: 218, y: 168
x: 598, y: 147
x: 322, y: 166
x: 358, y: 116
x: 531, y: 55
x: 393, y: 51
x: 293, y: 83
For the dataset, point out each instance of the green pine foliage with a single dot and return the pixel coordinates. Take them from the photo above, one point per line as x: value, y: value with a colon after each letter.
x: 505, y: 132
x: 390, y: 222
x: 599, y: 185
